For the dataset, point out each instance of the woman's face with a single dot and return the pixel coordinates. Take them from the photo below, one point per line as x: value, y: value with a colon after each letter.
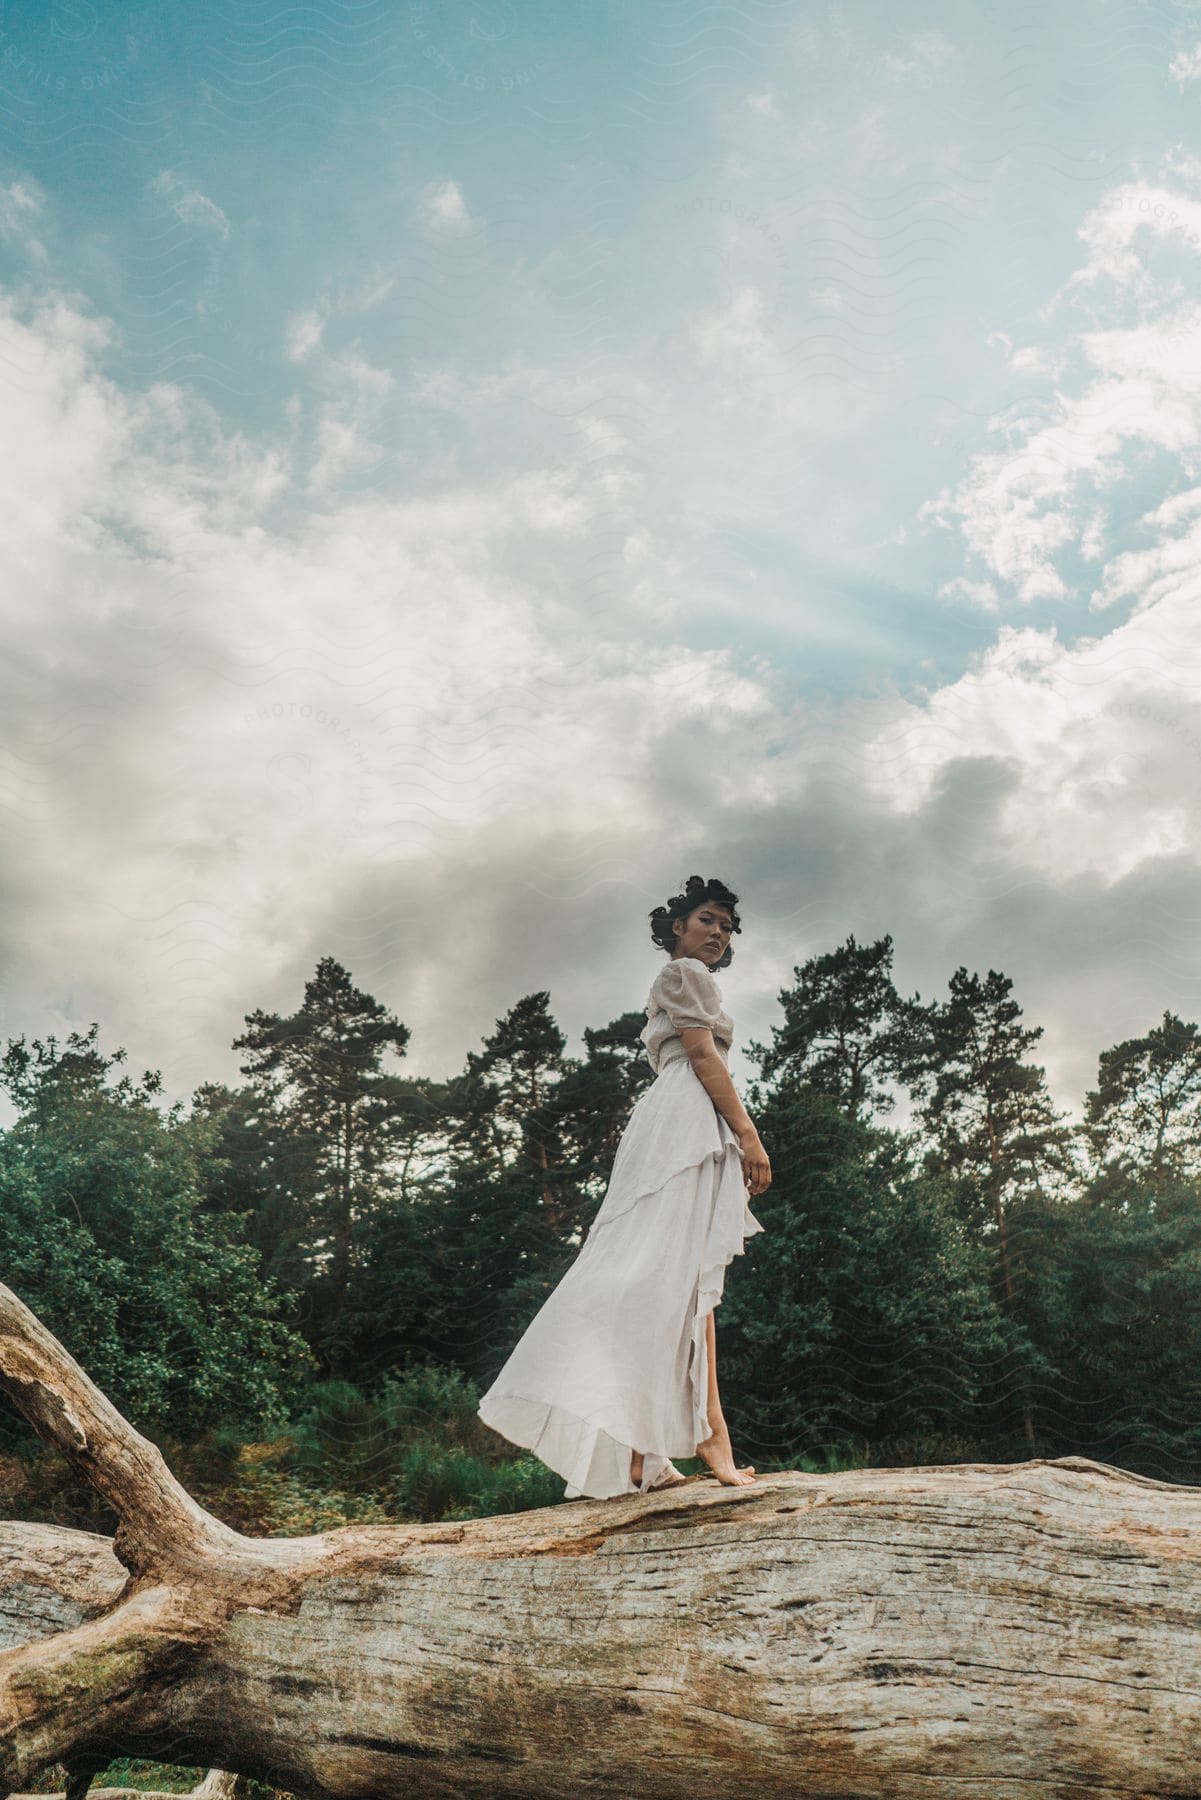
x: 705, y: 932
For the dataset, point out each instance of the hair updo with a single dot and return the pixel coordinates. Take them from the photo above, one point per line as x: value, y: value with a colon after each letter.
x: 696, y: 893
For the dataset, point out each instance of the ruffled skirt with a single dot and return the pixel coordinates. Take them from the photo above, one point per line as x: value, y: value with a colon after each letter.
x: 616, y: 1358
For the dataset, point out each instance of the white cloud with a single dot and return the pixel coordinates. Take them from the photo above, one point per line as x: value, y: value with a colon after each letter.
x: 981, y: 594
x: 1165, y: 571
x: 21, y: 202
x: 189, y: 204
x: 735, y: 333
x: 444, y: 208
x: 1184, y: 163
x: 1037, y: 359
x: 363, y: 296
x: 925, y: 53
x: 1185, y: 66
x: 1112, y: 231
x: 357, y: 372
x: 304, y: 331
x: 346, y: 427
x: 302, y: 334
x: 1021, y: 504
x: 18, y: 199
x: 1102, y: 743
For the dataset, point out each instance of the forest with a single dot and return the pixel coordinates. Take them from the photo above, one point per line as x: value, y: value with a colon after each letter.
x: 298, y: 1287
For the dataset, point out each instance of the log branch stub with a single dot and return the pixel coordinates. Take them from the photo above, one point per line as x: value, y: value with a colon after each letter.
x: 67, y: 1410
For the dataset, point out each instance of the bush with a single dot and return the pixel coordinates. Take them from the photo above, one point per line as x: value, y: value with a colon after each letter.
x: 436, y: 1482
x: 365, y: 1441
x: 432, y: 1400
x: 343, y: 1436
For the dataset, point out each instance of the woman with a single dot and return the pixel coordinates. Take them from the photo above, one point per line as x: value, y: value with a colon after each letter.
x: 617, y: 1372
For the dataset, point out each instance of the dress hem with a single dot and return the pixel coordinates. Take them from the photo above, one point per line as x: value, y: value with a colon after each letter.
x: 527, y: 1420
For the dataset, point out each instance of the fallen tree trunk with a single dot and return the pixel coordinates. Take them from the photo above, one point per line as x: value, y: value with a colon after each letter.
x: 969, y: 1631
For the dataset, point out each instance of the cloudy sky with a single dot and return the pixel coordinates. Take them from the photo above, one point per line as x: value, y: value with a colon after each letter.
x: 469, y: 465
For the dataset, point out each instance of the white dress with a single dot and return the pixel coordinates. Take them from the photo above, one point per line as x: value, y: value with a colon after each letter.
x: 616, y: 1358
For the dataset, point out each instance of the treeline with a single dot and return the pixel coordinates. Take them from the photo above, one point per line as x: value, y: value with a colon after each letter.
x: 987, y: 1282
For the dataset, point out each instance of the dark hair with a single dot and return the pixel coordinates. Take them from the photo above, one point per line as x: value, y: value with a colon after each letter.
x: 696, y: 893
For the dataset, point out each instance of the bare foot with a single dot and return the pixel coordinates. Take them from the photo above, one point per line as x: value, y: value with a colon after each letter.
x: 668, y: 1476
x: 717, y: 1452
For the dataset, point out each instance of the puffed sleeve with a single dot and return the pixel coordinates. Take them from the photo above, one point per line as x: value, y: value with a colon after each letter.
x: 688, y: 993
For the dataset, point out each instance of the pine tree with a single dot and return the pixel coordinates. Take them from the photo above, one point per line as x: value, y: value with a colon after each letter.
x: 519, y: 1067
x: 994, y: 1127
x: 846, y: 1029
x: 322, y: 1067
x: 1144, y: 1115
x: 263, y: 1168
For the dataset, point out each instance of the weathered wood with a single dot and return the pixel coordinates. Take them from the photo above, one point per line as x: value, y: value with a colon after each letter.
x: 956, y: 1632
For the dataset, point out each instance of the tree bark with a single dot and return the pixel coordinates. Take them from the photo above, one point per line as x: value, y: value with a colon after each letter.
x: 957, y: 1632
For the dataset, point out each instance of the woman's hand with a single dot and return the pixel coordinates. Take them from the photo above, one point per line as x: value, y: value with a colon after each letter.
x: 755, y: 1165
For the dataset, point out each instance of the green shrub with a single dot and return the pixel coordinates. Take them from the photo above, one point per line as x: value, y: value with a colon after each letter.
x: 434, y: 1401
x: 448, y: 1482
x: 343, y: 1436
x: 363, y: 1441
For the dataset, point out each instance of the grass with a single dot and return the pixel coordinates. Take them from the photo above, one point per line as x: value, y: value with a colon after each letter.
x: 162, y: 1778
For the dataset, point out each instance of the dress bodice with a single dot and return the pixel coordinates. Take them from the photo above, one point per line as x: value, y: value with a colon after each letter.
x: 683, y: 994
